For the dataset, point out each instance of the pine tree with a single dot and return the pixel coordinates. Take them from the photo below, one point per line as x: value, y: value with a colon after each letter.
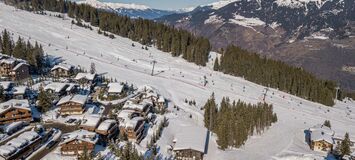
x: 235, y: 122
x: 216, y: 65
x: 19, y: 50
x: 7, y: 44
x: 44, y: 100
x: 327, y: 123
x: 2, y: 95
x: 345, y: 145
x: 85, y: 155
x: 92, y: 68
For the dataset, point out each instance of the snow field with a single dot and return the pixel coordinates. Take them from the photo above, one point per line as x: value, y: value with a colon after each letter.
x: 176, y: 80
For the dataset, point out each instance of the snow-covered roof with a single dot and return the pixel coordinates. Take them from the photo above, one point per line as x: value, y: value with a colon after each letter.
x: 6, y: 84
x: 20, y: 90
x: 320, y: 132
x: 125, y: 118
x: 29, y: 135
x: 150, y: 94
x: 13, y: 125
x: 322, y: 128
x: 133, y: 106
x: 7, y: 150
x: 133, y: 122
x: 19, y: 65
x: 191, y: 137
x: 8, y: 61
x: 161, y: 99
x: 115, y: 87
x: 14, y: 103
x: 105, y: 125
x: 71, y: 86
x: 146, y: 88
x: 82, y: 135
x: 81, y: 99
x: 56, y: 86
x: 91, y: 120
x: 17, y: 142
x: 63, y: 66
x: 124, y: 114
x: 87, y: 76
x: 319, y: 136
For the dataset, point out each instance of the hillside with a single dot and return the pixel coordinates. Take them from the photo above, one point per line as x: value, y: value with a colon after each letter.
x: 131, y: 10
x: 177, y: 79
x: 314, y: 34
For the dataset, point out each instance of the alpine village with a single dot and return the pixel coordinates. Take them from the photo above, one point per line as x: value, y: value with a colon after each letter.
x: 158, y: 92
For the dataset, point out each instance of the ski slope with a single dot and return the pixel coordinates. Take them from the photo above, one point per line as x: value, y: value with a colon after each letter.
x: 176, y: 80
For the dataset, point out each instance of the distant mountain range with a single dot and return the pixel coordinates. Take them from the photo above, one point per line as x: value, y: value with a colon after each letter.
x: 317, y: 35
x: 131, y: 10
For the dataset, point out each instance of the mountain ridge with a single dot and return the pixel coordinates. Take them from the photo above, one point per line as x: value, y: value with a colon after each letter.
x: 132, y: 10
x: 307, y: 31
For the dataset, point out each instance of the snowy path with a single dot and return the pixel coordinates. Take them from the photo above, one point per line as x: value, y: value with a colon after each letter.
x: 181, y: 80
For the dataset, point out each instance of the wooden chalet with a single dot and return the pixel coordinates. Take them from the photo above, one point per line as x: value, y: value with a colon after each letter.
x: 72, y: 104
x: 15, y: 110
x: 76, y: 142
x: 62, y: 70
x: 21, y: 147
x: 90, y: 122
x: 13, y: 69
x: 321, y: 138
x: 190, y: 143
x: 108, y: 128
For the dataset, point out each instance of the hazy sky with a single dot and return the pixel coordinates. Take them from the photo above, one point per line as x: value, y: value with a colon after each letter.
x: 166, y: 4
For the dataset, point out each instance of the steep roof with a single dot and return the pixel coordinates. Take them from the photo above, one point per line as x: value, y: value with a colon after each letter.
x: 105, y: 125
x: 133, y: 122
x: 191, y: 137
x: 322, y: 128
x: 81, y: 99
x: 8, y: 61
x: 87, y: 76
x: 14, y: 103
x: 56, y: 86
x: 64, y: 66
x: 82, y: 135
x: 322, y: 133
x: 321, y: 136
x: 19, y: 65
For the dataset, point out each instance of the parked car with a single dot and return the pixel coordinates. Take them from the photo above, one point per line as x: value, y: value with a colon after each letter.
x: 71, y: 120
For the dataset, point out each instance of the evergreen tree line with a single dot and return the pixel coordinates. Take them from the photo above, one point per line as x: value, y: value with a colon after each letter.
x: 235, y: 122
x: 234, y: 61
x: 22, y: 50
x: 168, y: 39
x: 276, y: 74
x: 128, y: 152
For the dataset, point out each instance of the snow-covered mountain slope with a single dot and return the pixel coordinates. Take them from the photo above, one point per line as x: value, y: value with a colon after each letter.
x: 131, y: 10
x: 302, y: 33
x: 300, y: 3
x: 176, y: 80
x: 218, y: 4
